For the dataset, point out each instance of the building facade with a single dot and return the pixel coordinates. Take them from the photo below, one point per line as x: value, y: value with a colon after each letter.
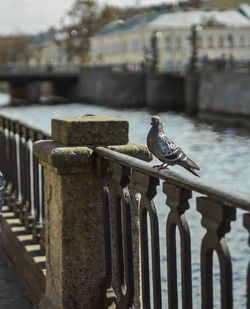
x: 132, y: 43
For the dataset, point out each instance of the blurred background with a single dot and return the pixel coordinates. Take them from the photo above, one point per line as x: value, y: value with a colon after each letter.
x: 126, y: 34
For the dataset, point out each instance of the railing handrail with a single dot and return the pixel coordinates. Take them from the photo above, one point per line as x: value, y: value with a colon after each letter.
x: 226, y: 196
x: 28, y: 126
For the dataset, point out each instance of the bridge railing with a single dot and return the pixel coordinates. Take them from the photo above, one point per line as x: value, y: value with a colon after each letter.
x: 20, y: 68
x: 102, y: 220
x: 23, y: 175
x: 218, y: 209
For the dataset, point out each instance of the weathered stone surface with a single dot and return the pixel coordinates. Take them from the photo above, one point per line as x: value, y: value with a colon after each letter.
x: 134, y: 150
x: 27, y: 259
x: 74, y: 240
x: 90, y: 130
x: 225, y: 93
x: 60, y: 156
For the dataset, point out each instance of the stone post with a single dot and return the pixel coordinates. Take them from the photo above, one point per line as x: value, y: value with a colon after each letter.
x: 191, y: 92
x: 73, y: 197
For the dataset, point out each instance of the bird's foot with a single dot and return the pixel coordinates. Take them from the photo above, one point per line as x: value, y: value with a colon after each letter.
x: 161, y: 166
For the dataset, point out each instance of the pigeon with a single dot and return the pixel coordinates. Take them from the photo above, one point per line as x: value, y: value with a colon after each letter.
x: 166, y: 150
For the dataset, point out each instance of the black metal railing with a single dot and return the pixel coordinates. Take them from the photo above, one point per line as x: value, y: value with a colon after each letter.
x: 23, y: 175
x: 217, y: 207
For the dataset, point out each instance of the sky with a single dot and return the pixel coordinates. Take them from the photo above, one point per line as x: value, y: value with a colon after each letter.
x: 34, y: 16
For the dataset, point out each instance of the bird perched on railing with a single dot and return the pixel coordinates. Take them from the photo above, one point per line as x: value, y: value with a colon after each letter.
x: 166, y: 150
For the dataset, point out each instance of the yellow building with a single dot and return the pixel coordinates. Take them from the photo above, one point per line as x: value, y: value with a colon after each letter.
x: 221, y: 33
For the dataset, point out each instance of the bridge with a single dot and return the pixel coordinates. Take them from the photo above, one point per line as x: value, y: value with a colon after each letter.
x: 81, y: 222
x: 38, y: 76
x: 25, y: 83
x: 101, y: 86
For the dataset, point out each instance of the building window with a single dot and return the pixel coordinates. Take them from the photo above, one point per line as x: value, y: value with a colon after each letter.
x: 143, y: 43
x: 114, y: 48
x: 178, y: 42
x: 124, y: 46
x: 230, y: 38
x: 241, y: 41
x: 221, y: 41
x: 168, y: 42
x: 199, y: 41
x: 135, y: 44
x: 210, y: 41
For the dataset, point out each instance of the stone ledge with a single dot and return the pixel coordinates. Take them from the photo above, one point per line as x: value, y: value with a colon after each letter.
x: 78, y: 157
x: 58, y: 155
x: 134, y: 150
x: 24, y: 254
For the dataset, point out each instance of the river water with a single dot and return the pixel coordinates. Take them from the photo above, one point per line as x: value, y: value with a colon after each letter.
x: 222, y: 153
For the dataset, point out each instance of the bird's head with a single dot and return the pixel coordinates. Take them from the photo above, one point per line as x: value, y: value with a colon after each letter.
x: 156, y: 122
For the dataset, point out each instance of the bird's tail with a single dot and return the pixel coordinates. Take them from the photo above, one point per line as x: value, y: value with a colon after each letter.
x: 189, y: 165
x: 193, y: 172
x: 192, y: 164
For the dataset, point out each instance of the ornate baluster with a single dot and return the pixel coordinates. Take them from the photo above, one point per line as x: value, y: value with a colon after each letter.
x: 6, y: 147
x: 3, y: 152
x: 16, y: 205
x: 13, y: 155
x: 216, y: 219
x: 11, y: 164
x: 20, y: 200
x: 28, y: 217
x: 7, y: 189
x: 120, y: 175
x: 23, y: 170
x: 25, y: 211
x: 36, y: 224
x: 41, y: 194
x: 177, y: 200
x: 110, y: 297
x: 246, y: 224
x: 146, y: 185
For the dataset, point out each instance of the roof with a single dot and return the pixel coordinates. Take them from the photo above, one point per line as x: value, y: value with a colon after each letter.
x: 182, y: 19
x: 177, y: 19
x: 219, y: 4
x: 245, y: 9
x: 131, y: 23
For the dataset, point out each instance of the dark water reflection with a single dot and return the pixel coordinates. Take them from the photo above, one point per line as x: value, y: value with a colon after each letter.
x: 222, y: 153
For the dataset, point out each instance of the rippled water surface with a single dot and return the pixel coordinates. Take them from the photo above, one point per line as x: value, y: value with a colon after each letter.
x: 223, y: 156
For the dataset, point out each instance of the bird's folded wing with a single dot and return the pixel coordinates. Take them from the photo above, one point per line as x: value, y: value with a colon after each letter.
x: 170, y: 150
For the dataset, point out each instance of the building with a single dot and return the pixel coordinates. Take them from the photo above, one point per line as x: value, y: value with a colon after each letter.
x: 13, y: 50
x: 215, y: 4
x: 46, y: 50
x: 131, y: 43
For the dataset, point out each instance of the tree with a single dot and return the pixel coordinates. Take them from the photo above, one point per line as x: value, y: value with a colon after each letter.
x: 14, y: 49
x: 84, y: 15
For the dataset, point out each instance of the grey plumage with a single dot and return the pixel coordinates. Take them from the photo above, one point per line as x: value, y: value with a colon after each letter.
x: 166, y: 150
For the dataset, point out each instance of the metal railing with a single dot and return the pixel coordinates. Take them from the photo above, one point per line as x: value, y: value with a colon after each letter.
x: 217, y: 207
x: 23, y: 175
x: 122, y: 174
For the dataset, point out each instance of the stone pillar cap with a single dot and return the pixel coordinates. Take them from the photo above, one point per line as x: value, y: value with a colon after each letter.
x: 90, y: 130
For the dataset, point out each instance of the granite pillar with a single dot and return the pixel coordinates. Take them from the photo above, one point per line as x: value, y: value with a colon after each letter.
x: 74, y: 233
